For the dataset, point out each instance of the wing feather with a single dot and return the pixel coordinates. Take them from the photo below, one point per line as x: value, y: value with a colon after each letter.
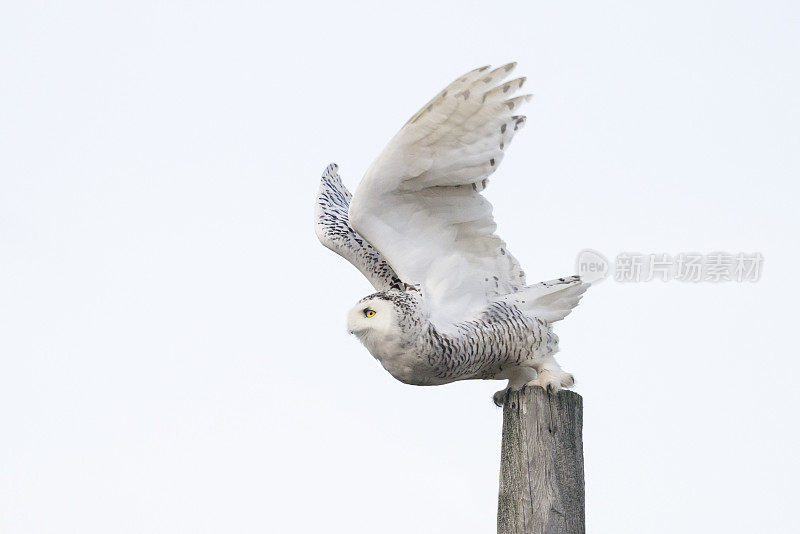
x: 550, y: 301
x: 420, y: 205
x: 334, y: 231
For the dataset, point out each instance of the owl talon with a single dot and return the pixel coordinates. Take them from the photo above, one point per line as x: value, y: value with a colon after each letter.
x: 552, y: 380
x: 500, y: 397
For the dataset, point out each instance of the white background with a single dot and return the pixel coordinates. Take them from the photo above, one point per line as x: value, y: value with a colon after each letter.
x: 173, y: 354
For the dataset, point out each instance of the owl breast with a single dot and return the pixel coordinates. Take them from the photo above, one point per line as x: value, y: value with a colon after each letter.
x: 403, y: 358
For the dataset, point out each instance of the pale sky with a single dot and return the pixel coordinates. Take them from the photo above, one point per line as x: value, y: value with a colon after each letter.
x: 173, y: 353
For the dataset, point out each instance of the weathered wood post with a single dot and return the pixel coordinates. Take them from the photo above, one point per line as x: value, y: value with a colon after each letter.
x: 541, y: 464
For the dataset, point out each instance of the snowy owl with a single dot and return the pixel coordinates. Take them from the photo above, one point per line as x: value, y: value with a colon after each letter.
x: 451, y: 302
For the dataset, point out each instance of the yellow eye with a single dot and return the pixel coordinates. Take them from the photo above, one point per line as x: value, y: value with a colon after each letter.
x: 369, y: 313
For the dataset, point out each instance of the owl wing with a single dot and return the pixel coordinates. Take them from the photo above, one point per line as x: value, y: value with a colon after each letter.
x: 334, y: 231
x: 420, y: 201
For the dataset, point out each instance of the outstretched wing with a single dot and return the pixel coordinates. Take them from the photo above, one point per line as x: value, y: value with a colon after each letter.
x: 549, y: 301
x: 420, y: 205
x: 334, y: 231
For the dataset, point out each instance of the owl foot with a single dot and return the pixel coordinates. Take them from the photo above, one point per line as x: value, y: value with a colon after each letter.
x: 552, y: 381
x: 501, y: 397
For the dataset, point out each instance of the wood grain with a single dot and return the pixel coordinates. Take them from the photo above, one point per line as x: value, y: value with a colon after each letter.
x: 541, y: 464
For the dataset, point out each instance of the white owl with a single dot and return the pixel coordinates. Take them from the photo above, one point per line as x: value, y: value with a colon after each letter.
x: 452, y: 302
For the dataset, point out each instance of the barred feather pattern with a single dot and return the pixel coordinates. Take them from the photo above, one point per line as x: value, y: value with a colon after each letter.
x: 334, y: 231
x: 502, y: 335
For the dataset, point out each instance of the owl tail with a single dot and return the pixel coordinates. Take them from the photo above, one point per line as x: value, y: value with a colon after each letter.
x: 549, y: 301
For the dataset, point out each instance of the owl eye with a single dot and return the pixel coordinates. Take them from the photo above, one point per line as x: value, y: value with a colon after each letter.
x: 369, y: 313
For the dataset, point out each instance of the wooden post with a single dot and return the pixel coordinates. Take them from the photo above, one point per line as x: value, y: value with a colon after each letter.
x: 541, y: 464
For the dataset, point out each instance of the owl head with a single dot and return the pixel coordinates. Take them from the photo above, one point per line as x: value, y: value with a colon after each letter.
x: 385, y: 313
